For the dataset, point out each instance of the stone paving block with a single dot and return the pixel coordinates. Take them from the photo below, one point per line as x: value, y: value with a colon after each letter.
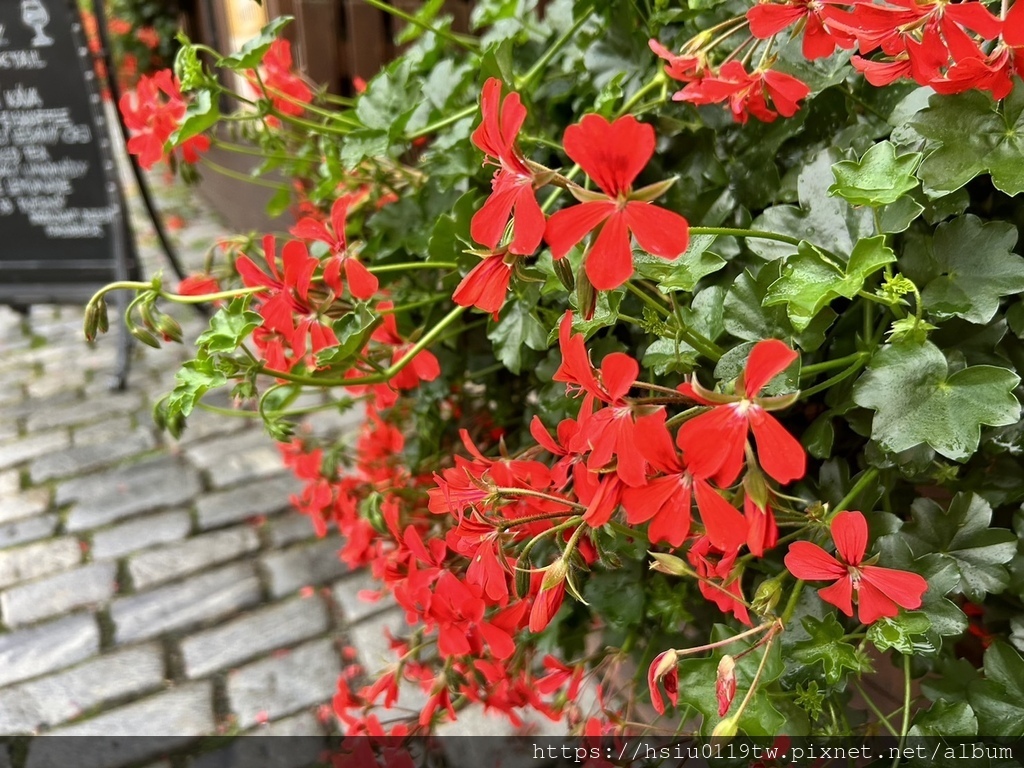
x: 27, y: 448
x: 261, y: 631
x: 262, y: 497
x: 170, y: 719
x: 109, y: 430
x: 10, y: 483
x: 55, y: 699
x: 291, y: 569
x: 202, y: 425
x: 230, y: 460
x: 128, y: 491
x: 40, y: 559
x: 157, y: 566
x: 96, y: 408
x: 354, y: 608
x: 24, y: 504
x: 288, y: 528
x: 93, y: 583
x: 176, y: 606
x: 284, y: 684
x: 8, y: 431
x: 30, y: 405
x: 47, y: 647
x: 28, y: 529
x: 147, y: 531
x: 84, y: 458
x: 370, y: 642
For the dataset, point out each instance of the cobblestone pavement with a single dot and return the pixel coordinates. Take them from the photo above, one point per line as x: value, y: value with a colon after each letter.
x: 150, y: 586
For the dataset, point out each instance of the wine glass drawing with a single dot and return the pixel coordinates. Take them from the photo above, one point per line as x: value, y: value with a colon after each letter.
x: 35, y: 15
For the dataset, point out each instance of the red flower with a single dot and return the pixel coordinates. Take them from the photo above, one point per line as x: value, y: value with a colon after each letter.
x: 198, y: 284
x: 613, y: 155
x: 748, y: 94
x: 152, y: 113
x: 714, y: 443
x: 361, y: 283
x: 486, y: 284
x: 148, y: 36
x: 683, y: 68
x: 665, y: 668
x: 880, y: 592
x: 820, y: 40
x: 513, y: 184
x: 286, y: 90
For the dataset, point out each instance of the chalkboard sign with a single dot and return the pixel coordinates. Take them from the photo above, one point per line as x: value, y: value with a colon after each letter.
x: 62, y: 232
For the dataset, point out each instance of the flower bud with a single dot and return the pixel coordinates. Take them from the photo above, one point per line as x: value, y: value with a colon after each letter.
x: 144, y: 336
x: 725, y: 683
x: 91, y: 323
x: 169, y: 328
x: 766, y: 597
x: 563, y: 271
x: 554, y: 575
x: 586, y: 295
x: 670, y: 564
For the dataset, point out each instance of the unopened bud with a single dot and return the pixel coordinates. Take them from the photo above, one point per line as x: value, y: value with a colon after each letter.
x: 169, y: 328
x: 522, y: 581
x: 725, y: 683
x: 554, y: 575
x: 586, y: 295
x: 91, y: 322
x: 670, y: 564
x: 144, y: 336
x: 766, y: 597
x: 563, y: 271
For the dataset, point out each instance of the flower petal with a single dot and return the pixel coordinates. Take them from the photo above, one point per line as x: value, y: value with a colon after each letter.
x: 767, y: 360
x: 840, y: 595
x: 612, y: 154
x: 904, y: 588
x: 570, y: 225
x: 850, y: 532
x: 779, y: 453
x: 609, y: 262
x: 810, y: 562
x: 659, y: 231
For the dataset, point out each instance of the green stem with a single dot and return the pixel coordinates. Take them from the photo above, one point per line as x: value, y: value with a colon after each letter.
x: 905, y: 726
x: 869, y: 476
x: 828, y: 383
x: 564, y: 39
x: 204, y: 298
x: 736, y: 232
x: 651, y: 85
x: 443, y: 123
x: 459, y: 40
x: 384, y: 268
x: 240, y: 176
x: 244, y: 150
x: 874, y: 708
x: 791, y: 604
x: 828, y: 365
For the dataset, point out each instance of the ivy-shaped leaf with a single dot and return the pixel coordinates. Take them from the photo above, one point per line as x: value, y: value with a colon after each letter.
x: 193, y: 380
x: 250, y: 55
x: 826, y: 645
x: 201, y: 113
x: 668, y: 355
x: 878, y: 178
x: 905, y: 633
x: 916, y: 401
x: 998, y: 700
x: 962, y: 536
x: 811, y: 279
x: 518, y: 328
x: 969, y: 134
x: 684, y: 273
x: 946, y: 719
x: 229, y: 326
x: 352, y: 330
x: 977, y: 266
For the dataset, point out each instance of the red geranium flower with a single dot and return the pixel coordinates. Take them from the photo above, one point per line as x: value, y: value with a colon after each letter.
x: 880, y: 591
x: 152, y: 113
x: 287, y: 91
x: 748, y: 93
x: 513, y: 184
x: 486, y: 285
x: 714, y: 443
x: 820, y: 40
x: 361, y: 283
x: 613, y: 155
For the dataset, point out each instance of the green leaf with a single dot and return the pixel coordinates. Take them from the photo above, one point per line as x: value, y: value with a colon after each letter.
x: 229, y: 327
x: 998, y: 700
x: 683, y: 273
x: 193, y: 380
x: 251, y: 54
x: 665, y: 355
x: 361, y: 144
x: 946, y: 719
x: 905, y: 633
x: 826, y: 645
x: 963, y: 537
x: 697, y: 686
x: 898, y: 216
x: 518, y: 328
x: 916, y: 400
x: 811, y: 279
x: 201, y: 113
x: 820, y: 219
x: 977, y: 267
x: 819, y: 437
x: 970, y: 134
x: 733, y: 362
x: 353, y: 330
x: 878, y: 178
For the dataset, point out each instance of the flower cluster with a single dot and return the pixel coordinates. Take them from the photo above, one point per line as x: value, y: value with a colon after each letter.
x: 153, y: 112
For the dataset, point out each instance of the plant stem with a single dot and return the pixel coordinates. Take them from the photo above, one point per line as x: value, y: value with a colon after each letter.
x: 564, y: 39
x: 869, y: 476
x: 791, y: 604
x: 443, y: 123
x: 874, y: 708
x: 757, y: 676
x: 754, y: 233
x: 828, y: 383
x: 906, y: 708
x: 384, y: 268
x: 828, y: 365
x: 537, y: 495
x: 241, y: 176
x: 728, y: 641
x: 463, y: 42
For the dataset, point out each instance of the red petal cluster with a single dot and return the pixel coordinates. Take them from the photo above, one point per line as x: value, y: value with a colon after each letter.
x: 153, y: 112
